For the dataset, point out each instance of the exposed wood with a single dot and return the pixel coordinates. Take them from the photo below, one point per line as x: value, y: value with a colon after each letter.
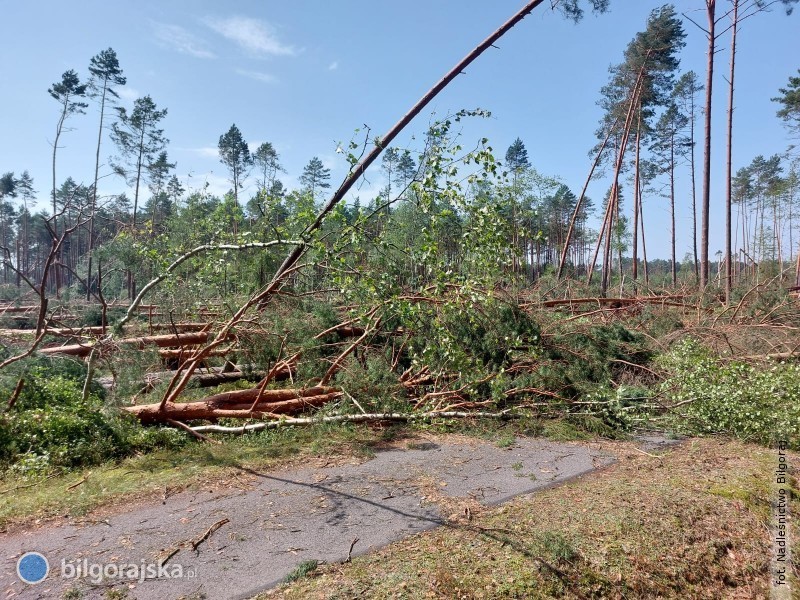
x: 191, y: 432
x: 160, y: 341
x: 15, y: 394
x: 237, y: 404
x: 208, y: 532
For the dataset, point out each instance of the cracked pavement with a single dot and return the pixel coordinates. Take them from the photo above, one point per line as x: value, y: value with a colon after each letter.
x: 277, y: 519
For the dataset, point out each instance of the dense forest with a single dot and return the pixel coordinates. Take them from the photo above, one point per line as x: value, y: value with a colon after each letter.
x: 472, y: 284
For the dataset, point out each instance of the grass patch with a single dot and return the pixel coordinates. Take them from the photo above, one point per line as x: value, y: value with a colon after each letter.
x: 304, y: 569
x: 688, y: 524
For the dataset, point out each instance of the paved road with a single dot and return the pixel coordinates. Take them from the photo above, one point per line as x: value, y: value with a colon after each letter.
x: 274, y: 520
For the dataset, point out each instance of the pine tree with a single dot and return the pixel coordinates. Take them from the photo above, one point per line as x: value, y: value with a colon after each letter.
x: 517, y: 156
x: 139, y: 140
x: 790, y: 101
x: 105, y: 74
x: 235, y: 155
x: 267, y: 162
x: 68, y: 93
x: 315, y: 177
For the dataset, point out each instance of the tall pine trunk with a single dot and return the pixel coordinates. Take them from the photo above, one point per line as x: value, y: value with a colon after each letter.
x: 93, y: 208
x: 635, y: 248
x: 729, y: 159
x: 711, y: 6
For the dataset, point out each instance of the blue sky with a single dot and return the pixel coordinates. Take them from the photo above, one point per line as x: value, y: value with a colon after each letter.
x: 304, y: 75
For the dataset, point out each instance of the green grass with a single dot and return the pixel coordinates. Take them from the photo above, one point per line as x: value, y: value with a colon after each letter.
x: 304, y: 569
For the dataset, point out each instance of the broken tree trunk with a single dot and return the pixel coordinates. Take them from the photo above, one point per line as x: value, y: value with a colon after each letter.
x: 161, y: 341
x: 237, y: 405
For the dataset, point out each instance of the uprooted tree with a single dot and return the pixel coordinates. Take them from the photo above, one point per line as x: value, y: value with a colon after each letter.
x: 418, y: 304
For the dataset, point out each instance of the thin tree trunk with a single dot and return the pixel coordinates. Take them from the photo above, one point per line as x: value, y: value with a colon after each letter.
x: 694, y: 192
x: 579, y: 203
x: 635, y: 248
x: 639, y: 194
x: 672, y: 205
x: 618, y: 167
x: 93, y: 208
x: 711, y: 6
x: 729, y: 158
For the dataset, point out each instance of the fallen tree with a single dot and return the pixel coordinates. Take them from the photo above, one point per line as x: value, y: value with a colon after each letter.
x: 251, y: 403
x: 363, y: 418
x: 175, y: 340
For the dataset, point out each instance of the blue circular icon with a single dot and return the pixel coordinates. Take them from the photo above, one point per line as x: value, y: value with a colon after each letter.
x: 32, y: 567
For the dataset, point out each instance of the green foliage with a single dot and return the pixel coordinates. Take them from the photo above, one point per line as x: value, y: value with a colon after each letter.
x: 372, y: 384
x: 51, y: 426
x: 582, y: 362
x: 760, y: 405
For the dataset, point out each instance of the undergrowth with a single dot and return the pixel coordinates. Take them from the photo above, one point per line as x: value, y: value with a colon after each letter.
x: 712, y: 395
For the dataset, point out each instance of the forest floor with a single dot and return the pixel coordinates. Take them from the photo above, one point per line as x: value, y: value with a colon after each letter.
x: 687, y: 521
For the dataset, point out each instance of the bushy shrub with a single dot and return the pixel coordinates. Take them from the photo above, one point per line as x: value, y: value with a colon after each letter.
x: 753, y: 403
x: 52, y: 426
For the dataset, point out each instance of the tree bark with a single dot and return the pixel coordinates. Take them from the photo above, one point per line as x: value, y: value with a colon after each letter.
x: 729, y: 160
x: 237, y: 404
x: 711, y: 6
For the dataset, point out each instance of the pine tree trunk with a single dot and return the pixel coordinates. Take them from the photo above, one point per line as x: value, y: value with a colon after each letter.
x: 694, y: 192
x: 93, y: 208
x: 729, y: 159
x: 635, y: 248
x: 644, y: 239
x: 711, y: 6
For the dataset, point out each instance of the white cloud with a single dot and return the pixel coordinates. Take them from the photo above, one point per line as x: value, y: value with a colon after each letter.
x: 217, y: 185
x: 257, y: 37
x: 129, y: 94
x: 181, y: 40
x: 204, y: 151
x: 333, y: 66
x: 257, y: 75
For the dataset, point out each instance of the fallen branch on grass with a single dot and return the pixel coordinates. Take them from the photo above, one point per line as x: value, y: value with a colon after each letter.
x: 370, y: 417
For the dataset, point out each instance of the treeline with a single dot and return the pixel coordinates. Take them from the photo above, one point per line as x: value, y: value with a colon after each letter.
x: 436, y: 201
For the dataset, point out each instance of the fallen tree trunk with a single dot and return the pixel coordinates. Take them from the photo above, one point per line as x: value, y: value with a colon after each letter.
x: 237, y: 405
x: 663, y: 300
x: 364, y: 418
x: 174, y: 340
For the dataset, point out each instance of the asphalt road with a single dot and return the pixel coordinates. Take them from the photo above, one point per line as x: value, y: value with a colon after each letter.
x: 268, y: 522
